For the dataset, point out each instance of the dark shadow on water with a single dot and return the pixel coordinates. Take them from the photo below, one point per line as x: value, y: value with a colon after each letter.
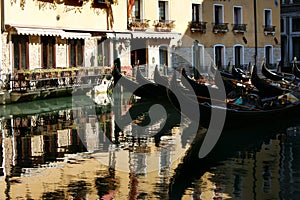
x: 231, y: 141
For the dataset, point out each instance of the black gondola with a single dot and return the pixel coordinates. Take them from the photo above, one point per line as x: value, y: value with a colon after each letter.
x: 159, y: 89
x: 270, y: 74
x: 200, y: 89
x: 238, y: 116
x: 239, y: 74
x: 265, y: 89
x: 162, y: 80
x: 204, y: 91
x: 144, y: 91
x: 296, y: 70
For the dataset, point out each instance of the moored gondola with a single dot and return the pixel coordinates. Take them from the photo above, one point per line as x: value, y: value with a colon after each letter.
x: 205, y: 90
x: 270, y: 74
x: 239, y: 74
x: 296, y: 70
x: 162, y: 80
x: 159, y: 89
x: 265, y: 89
x: 254, y: 110
x: 144, y: 91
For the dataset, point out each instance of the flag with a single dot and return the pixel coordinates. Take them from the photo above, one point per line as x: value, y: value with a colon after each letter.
x: 130, y: 6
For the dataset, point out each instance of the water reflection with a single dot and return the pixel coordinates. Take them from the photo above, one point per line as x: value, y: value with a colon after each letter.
x: 72, y: 148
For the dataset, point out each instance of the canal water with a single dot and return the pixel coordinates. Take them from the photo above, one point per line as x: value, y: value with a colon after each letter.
x: 112, y: 148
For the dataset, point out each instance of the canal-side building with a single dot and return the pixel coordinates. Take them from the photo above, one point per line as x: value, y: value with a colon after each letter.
x: 229, y: 32
x: 55, y: 34
x: 62, y: 34
x: 290, y: 31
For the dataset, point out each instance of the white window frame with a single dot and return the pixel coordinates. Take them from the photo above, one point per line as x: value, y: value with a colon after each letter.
x: 221, y: 5
x: 200, y: 10
x: 141, y: 9
x: 243, y: 53
x: 167, y: 9
x: 241, y: 14
x: 270, y: 18
x: 272, y: 52
x: 224, y: 54
x: 201, y: 47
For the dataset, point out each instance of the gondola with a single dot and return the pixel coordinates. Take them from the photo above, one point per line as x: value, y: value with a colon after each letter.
x: 296, y: 70
x: 200, y: 89
x: 162, y: 80
x: 271, y: 75
x: 144, y: 91
x: 239, y: 74
x: 203, y: 90
x: 159, y: 89
x: 265, y: 89
x: 253, y: 113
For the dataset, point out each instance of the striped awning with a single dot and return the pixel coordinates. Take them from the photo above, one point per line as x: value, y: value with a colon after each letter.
x: 39, y: 31
x: 155, y: 35
x: 119, y: 35
x: 51, y: 32
x: 75, y: 35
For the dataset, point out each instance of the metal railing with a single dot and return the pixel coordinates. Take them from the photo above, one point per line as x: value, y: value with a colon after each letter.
x: 220, y: 27
x: 39, y: 79
x: 138, y: 24
x: 198, y: 26
x: 239, y: 28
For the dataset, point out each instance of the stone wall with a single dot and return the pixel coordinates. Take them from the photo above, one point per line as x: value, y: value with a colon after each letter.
x: 35, y: 52
x: 61, y: 53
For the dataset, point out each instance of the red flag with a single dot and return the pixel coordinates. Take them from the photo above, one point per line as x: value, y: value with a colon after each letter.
x: 130, y: 6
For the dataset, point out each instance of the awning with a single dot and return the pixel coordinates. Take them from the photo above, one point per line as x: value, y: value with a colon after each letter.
x: 155, y: 35
x: 39, y: 31
x: 75, y: 35
x: 119, y: 35
x: 51, y: 32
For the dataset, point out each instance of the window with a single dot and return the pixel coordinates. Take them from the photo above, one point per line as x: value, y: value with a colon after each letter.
x: 237, y: 15
x: 103, y: 52
x: 218, y: 14
x: 296, y: 47
x: 163, y: 56
x: 238, y: 55
x: 219, y: 56
x: 48, y: 52
x: 136, y: 10
x: 20, y: 52
x: 196, y: 12
x: 76, y: 52
x: 198, y: 58
x: 162, y: 10
x: 268, y: 18
x: 282, y: 25
x: 295, y: 24
x: 269, y: 55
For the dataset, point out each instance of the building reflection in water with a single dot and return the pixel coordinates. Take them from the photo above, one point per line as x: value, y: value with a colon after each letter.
x: 75, y: 153
x: 54, y: 155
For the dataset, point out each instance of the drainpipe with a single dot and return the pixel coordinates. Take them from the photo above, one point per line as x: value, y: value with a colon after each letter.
x: 255, y: 32
x: 2, y: 31
x: 2, y: 17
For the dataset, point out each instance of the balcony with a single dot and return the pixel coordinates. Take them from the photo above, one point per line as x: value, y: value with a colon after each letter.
x: 163, y: 25
x: 138, y: 24
x: 239, y: 28
x: 269, y: 30
x: 198, y: 26
x: 220, y: 27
